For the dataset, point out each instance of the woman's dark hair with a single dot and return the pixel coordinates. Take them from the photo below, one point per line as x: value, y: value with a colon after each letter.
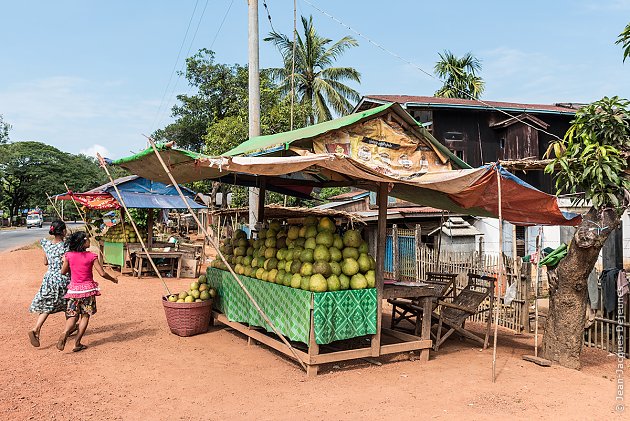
x: 57, y: 228
x: 76, y: 242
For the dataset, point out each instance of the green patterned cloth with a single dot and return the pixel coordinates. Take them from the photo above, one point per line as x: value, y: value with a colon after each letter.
x: 337, y: 315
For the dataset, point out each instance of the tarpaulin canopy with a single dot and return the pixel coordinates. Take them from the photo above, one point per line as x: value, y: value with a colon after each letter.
x: 469, y: 191
x: 137, y: 192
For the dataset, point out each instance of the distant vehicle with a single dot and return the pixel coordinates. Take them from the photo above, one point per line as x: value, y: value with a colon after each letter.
x: 34, y: 220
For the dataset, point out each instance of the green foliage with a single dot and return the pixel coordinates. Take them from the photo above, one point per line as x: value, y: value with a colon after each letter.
x: 318, y: 85
x: 624, y: 39
x: 327, y: 192
x: 459, y: 75
x: 590, y: 158
x: 4, y: 130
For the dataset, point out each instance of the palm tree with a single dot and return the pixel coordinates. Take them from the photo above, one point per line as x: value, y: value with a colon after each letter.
x: 624, y: 39
x: 317, y: 83
x: 459, y: 76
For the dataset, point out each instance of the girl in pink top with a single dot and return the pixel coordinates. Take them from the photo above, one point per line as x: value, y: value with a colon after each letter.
x: 82, y: 290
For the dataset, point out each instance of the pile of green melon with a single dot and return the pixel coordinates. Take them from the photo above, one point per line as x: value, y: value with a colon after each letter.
x: 312, y: 256
x: 119, y: 234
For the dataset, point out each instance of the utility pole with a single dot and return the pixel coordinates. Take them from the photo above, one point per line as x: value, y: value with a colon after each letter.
x: 254, y: 97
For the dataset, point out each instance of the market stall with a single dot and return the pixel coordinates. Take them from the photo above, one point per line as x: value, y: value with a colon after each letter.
x: 119, y: 243
x: 351, y: 151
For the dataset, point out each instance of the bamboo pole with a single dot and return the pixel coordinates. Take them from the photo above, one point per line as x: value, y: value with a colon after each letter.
x: 539, y: 241
x: 54, y: 207
x: 84, y: 219
x: 133, y: 223
x: 222, y: 257
x: 500, y: 277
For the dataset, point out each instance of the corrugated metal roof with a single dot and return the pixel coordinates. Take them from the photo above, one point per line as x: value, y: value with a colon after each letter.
x: 355, y: 194
x: 432, y: 101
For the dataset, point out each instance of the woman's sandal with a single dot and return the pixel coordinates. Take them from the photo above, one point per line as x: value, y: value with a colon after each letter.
x: 61, y: 343
x: 34, y: 337
x: 79, y: 347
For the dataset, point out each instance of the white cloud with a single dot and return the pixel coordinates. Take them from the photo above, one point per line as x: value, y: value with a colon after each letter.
x: 94, y: 149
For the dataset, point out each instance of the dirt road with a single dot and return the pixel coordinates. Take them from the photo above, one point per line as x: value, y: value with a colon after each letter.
x: 135, y: 369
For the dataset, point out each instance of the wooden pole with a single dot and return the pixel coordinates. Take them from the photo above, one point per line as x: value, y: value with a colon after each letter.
x: 222, y: 257
x: 539, y: 241
x: 133, y: 223
x: 501, y: 275
x: 84, y: 219
x: 381, y: 244
x: 54, y: 207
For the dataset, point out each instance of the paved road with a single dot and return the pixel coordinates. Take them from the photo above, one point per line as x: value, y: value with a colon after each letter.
x: 13, y: 239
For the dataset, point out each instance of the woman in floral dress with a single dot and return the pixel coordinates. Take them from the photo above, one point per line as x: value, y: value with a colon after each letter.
x: 50, y: 297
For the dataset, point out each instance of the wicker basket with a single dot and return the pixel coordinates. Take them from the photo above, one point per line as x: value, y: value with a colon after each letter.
x: 187, y: 319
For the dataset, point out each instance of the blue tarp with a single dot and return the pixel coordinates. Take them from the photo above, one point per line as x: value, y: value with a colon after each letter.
x: 141, y: 193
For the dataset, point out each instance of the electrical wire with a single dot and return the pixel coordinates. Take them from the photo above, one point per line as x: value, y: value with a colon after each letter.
x: 269, y: 15
x: 409, y: 62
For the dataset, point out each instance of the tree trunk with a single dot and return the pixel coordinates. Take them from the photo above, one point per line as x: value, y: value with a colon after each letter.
x: 568, y: 293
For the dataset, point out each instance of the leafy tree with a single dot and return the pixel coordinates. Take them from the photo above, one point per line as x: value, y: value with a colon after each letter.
x: 4, y: 130
x: 459, y: 75
x: 317, y: 83
x: 591, y: 158
x: 624, y: 39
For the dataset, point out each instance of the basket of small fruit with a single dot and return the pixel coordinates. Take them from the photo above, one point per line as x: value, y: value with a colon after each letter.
x: 190, y: 312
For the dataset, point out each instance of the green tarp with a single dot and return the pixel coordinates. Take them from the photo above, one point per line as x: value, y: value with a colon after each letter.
x: 337, y: 315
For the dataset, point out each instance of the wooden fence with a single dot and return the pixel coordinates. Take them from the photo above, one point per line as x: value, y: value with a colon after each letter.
x: 408, y: 259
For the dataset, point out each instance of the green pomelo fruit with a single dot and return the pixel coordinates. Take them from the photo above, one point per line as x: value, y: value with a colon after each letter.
x: 180, y: 300
x: 195, y: 293
x: 240, y: 251
x: 311, y: 231
x: 172, y: 298
x: 321, y: 253
x: 325, y: 238
x: 243, y: 243
x: 333, y: 283
x: 281, y: 242
x: 296, y: 266
x: 323, y: 268
x: 281, y: 254
x: 302, y: 233
x: 250, y: 251
x: 259, y: 273
x: 270, y: 242
x: 258, y: 243
x: 358, y: 281
x: 247, y: 260
x: 307, y: 256
x: 286, y: 281
x: 273, y: 276
x: 352, y: 238
x: 335, y: 267
x: 270, y: 252
x: 202, y: 279
x: 265, y: 275
x: 371, y: 278
x: 305, y: 283
x: 205, y: 295
x: 335, y: 254
x: 350, y: 253
x: 261, y: 262
x: 300, y: 242
x: 326, y: 224
x: 271, y: 233
x: 238, y: 259
x: 287, y: 266
x: 194, y: 285
x: 364, y: 263
x: 363, y: 248
x: 239, y: 233
x: 189, y: 299
x: 296, y: 280
x: 310, y: 243
x: 306, y: 269
x: 337, y: 241
x: 294, y: 232
x: 271, y: 263
x: 318, y: 283
x: 372, y: 263
x: 275, y: 225
x: 203, y: 287
x: 349, y: 266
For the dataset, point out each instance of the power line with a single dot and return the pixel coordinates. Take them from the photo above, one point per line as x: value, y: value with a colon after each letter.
x: 409, y: 62
x: 268, y: 15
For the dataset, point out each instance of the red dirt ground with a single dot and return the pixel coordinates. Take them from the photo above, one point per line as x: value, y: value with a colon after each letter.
x: 135, y: 369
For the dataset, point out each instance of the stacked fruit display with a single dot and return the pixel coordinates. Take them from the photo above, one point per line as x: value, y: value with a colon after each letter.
x: 119, y: 234
x: 313, y: 256
x: 199, y: 291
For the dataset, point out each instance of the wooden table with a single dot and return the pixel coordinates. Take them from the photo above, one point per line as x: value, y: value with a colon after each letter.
x: 426, y: 295
x: 174, y: 256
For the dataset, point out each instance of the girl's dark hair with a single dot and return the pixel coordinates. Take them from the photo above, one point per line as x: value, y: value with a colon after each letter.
x: 57, y: 228
x: 76, y: 242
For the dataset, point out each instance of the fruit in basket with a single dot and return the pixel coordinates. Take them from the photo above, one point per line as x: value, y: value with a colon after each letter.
x: 318, y: 283
x: 333, y: 283
x: 203, y: 287
x: 183, y: 295
x: 323, y: 268
x: 212, y: 292
x: 202, y: 279
x: 194, y: 293
x: 194, y: 285
x: 172, y: 298
x: 358, y: 281
x: 349, y: 267
x: 321, y: 253
x: 189, y: 299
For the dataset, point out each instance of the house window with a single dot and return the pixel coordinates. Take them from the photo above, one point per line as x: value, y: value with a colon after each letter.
x: 502, y: 143
x: 454, y: 136
x: 460, y: 155
x: 423, y: 116
x: 520, y: 241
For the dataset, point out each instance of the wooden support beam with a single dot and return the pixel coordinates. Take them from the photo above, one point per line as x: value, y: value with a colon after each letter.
x: 262, y: 192
x: 381, y: 241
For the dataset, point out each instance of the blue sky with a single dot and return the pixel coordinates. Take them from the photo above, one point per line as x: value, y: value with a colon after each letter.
x: 90, y: 76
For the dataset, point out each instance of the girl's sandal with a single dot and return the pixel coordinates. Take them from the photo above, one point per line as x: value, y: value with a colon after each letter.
x: 79, y: 348
x: 34, y: 338
x: 61, y: 343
